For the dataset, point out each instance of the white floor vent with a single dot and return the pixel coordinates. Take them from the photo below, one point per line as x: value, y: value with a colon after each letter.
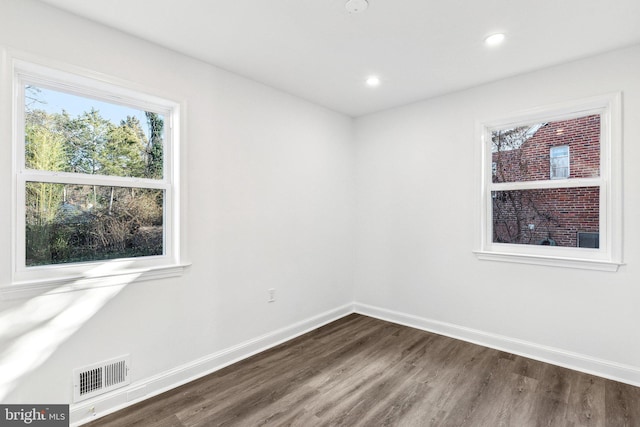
x: 99, y: 378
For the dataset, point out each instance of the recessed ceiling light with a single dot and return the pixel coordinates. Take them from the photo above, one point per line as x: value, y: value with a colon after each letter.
x: 373, y: 81
x: 356, y: 6
x: 494, y: 39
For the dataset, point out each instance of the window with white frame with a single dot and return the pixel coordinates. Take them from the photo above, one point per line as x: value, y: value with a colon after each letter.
x: 96, y: 174
x: 533, y: 205
x: 559, y: 162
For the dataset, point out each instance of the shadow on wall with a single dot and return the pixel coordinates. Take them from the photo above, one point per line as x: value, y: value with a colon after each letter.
x: 31, y: 332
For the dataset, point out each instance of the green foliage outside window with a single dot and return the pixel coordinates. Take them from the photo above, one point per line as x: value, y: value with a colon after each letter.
x: 75, y: 223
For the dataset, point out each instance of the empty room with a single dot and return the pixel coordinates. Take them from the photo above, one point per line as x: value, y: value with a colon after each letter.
x: 319, y: 213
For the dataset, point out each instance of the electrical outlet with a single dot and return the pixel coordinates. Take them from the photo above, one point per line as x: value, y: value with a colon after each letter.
x: 272, y: 295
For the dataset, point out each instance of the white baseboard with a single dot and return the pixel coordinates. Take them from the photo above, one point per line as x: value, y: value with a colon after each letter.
x: 99, y: 406
x: 578, y: 362
x: 89, y: 410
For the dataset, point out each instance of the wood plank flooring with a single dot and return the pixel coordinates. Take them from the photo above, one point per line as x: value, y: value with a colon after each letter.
x: 360, y: 371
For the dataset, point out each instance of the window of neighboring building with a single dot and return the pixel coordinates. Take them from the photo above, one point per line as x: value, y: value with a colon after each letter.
x: 533, y: 205
x: 559, y: 161
x: 96, y: 177
x: 588, y: 240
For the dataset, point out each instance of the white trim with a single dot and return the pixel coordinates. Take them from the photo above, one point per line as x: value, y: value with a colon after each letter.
x: 140, y: 390
x: 579, y: 362
x: 30, y: 289
x: 550, y: 261
x: 69, y: 78
x: 544, y: 185
x: 566, y: 110
x: 86, y: 179
x: 608, y: 257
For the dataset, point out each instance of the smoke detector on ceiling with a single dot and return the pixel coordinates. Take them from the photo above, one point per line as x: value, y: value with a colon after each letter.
x: 356, y: 6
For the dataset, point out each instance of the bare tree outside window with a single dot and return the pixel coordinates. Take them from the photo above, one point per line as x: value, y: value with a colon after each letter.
x: 541, y: 152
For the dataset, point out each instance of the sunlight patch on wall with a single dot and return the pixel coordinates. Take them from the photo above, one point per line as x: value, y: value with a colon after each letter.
x: 32, y: 332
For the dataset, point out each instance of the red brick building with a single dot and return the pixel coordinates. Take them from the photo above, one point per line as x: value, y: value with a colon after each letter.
x: 561, y: 150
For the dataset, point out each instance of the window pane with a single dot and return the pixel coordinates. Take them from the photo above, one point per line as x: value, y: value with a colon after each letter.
x: 558, y: 152
x: 74, y: 223
x: 71, y: 133
x: 524, y: 153
x: 559, y: 162
x: 545, y: 216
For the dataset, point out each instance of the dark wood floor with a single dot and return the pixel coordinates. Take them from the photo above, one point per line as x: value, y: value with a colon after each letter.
x: 360, y: 371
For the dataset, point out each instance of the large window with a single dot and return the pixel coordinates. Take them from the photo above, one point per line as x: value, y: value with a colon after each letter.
x: 96, y: 177
x: 549, y: 178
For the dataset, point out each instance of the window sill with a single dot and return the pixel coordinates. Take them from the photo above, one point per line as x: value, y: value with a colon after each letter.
x: 29, y: 289
x: 584, y: 264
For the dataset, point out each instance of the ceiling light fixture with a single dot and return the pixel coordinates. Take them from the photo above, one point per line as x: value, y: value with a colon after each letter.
x: 356, y: 6
x: 373, y: 81
x: 494, y: 39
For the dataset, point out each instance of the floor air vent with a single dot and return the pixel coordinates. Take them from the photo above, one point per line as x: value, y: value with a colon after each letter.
x: 99, y: 378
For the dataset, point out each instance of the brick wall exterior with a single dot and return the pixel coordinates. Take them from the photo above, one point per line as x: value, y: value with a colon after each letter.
x: 557, y: 214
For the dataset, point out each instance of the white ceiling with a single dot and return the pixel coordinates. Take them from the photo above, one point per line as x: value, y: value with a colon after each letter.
x: 420, y: 49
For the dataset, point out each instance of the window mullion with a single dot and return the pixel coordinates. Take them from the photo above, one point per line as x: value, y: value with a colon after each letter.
x: 84, y: 179
x: 556, y: 183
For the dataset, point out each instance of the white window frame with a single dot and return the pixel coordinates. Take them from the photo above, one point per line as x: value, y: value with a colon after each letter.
x: 551, y: 166
x: 609, y: 256
x: 27, y: 280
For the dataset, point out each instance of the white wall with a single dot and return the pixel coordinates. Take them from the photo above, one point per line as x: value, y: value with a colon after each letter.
x: 415, y: 223
x: 269, y: 205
